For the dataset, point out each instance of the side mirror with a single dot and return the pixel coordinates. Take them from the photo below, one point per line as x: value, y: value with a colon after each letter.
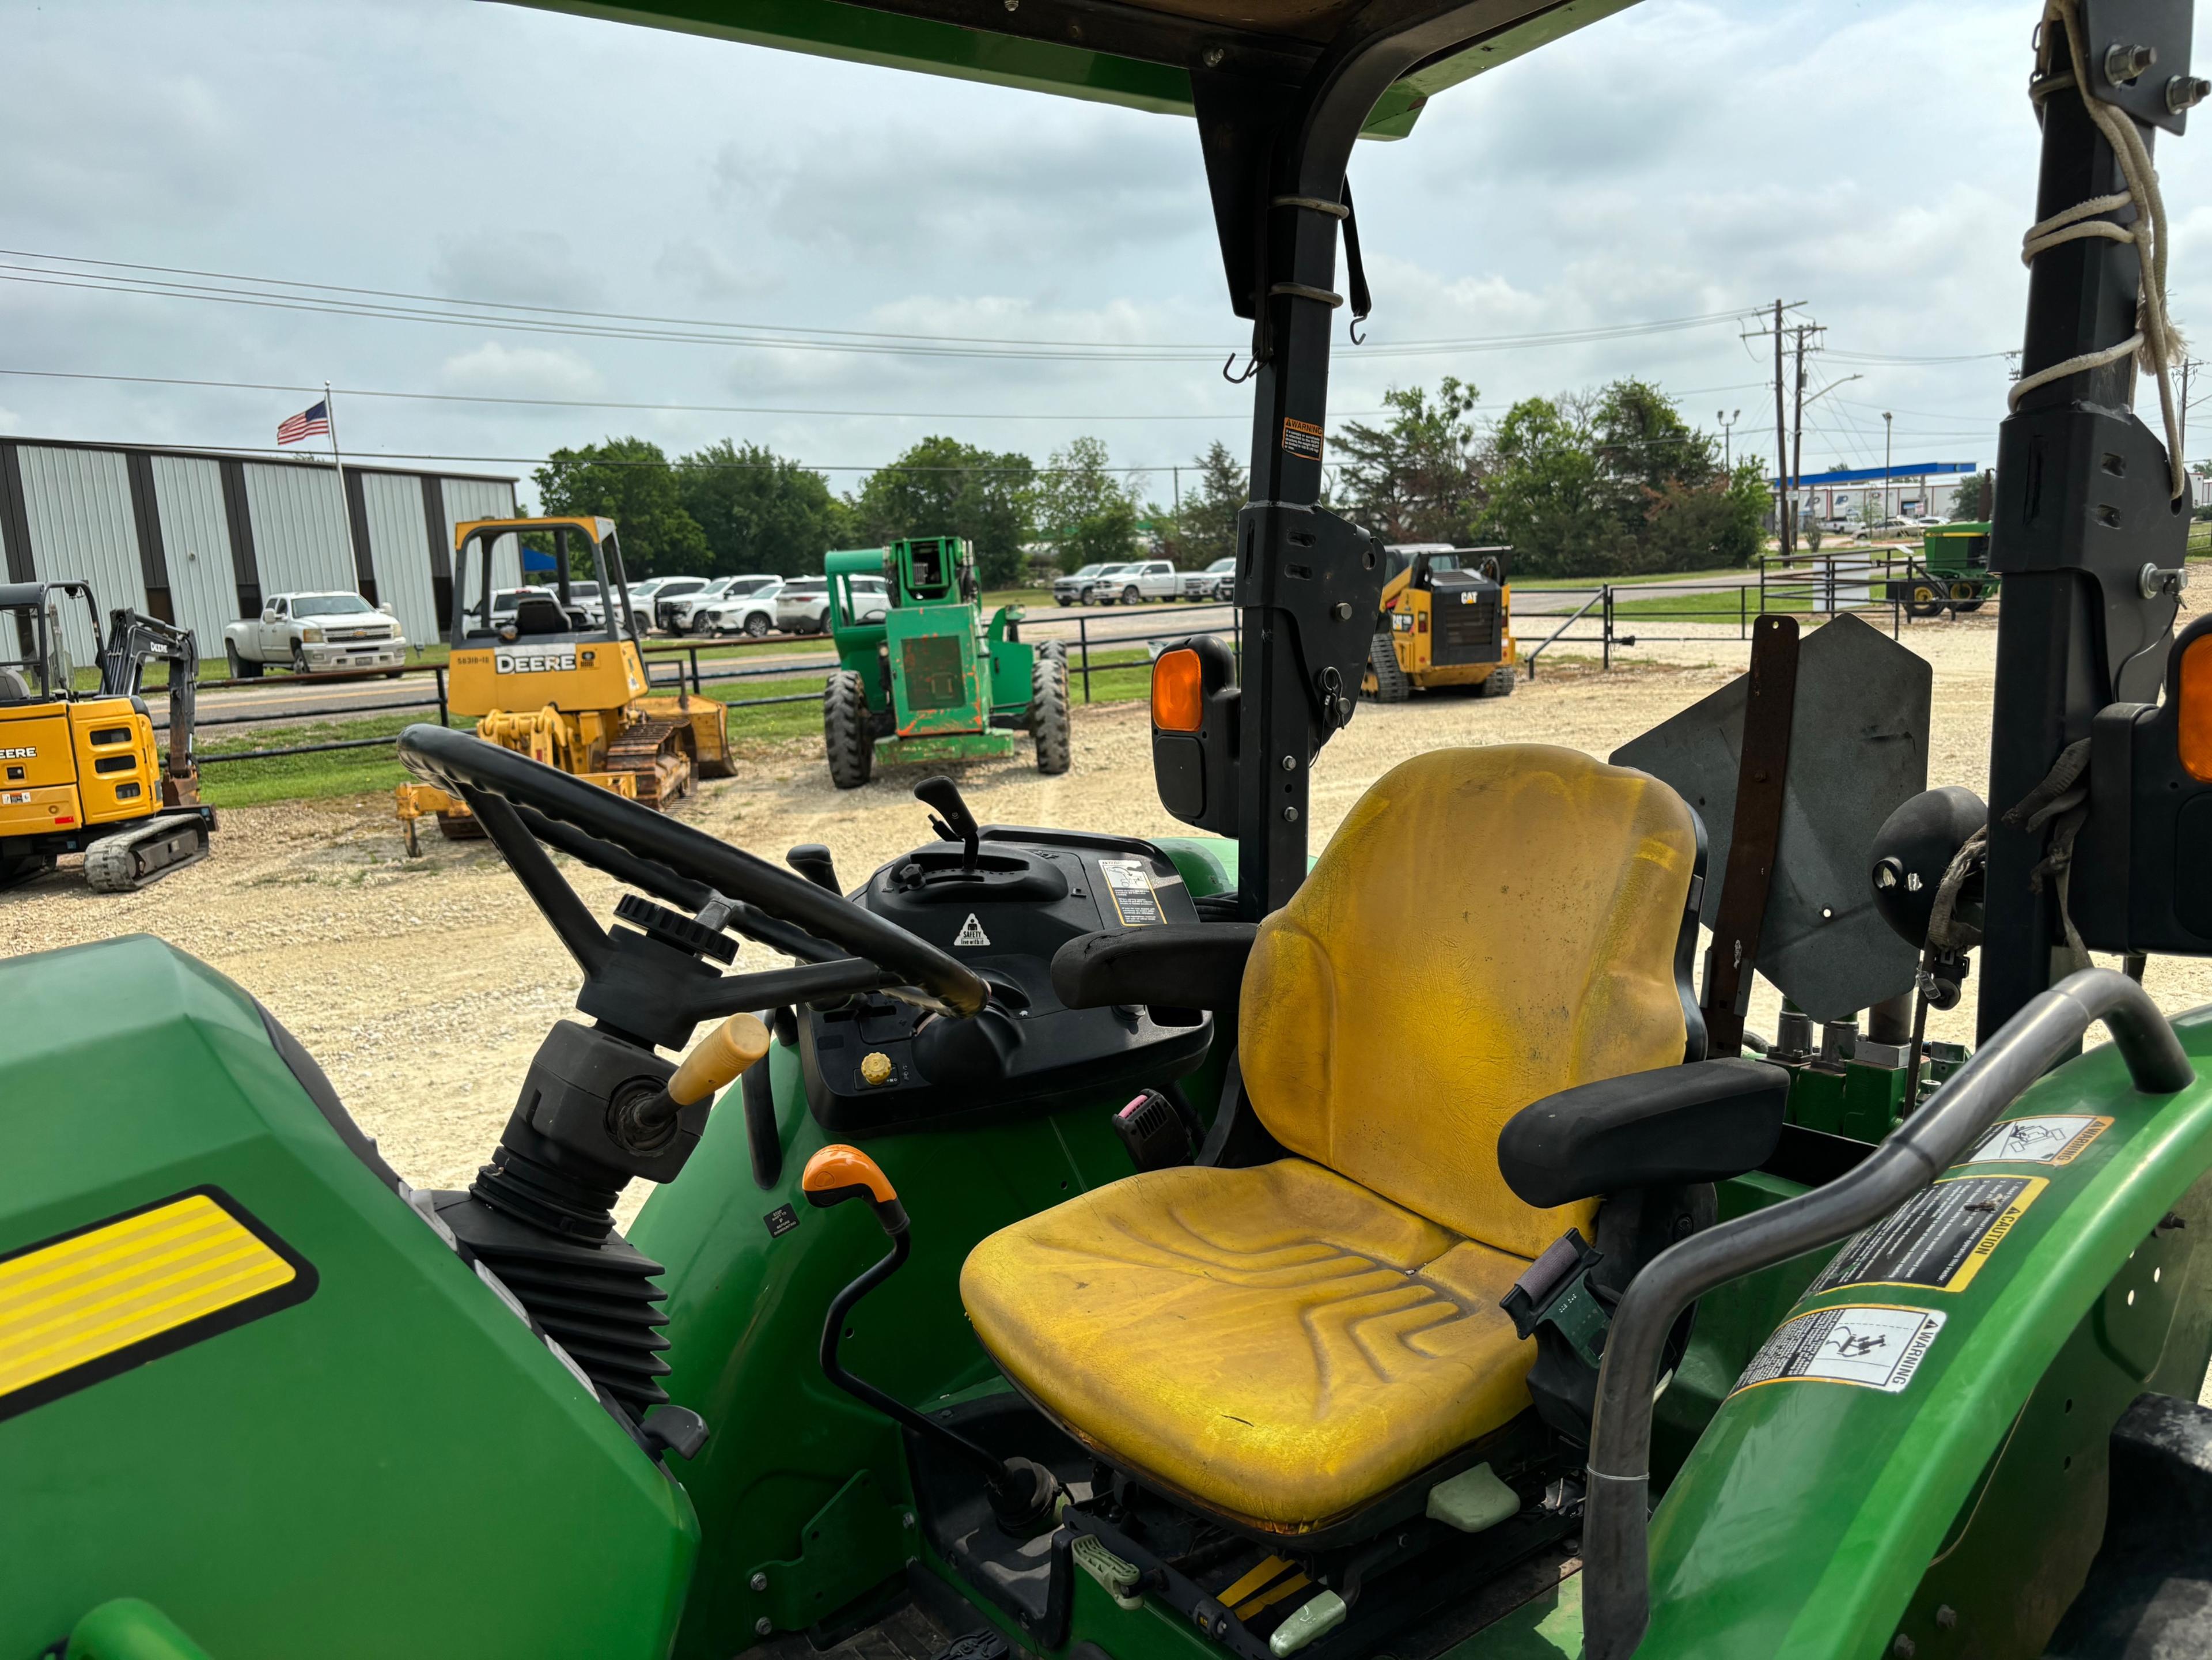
x: 270, y: 614
x: 385, y: 607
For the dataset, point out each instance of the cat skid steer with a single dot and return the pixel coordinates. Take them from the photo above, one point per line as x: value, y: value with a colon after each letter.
x: 1178, y: 1249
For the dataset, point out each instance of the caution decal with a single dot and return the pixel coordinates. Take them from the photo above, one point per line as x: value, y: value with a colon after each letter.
x: 1872, y: 1346
x: 2052, y: 1139
x: 87, y: 1306
x: 1938, y: 1239
x: 1302, y: 438
x: 1130, y: 886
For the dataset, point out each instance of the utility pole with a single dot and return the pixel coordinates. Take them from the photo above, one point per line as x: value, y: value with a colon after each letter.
x: 1785, y: 524
x: 1886, y: 514
x: 1798, y: 419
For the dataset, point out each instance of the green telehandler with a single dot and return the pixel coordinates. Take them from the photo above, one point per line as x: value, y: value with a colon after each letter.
x: 924, y: 680
x: 1111, y: 1249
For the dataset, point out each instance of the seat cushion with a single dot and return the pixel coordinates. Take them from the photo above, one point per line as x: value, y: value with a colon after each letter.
x: 1278, y: 1343
x: 1487, y: 926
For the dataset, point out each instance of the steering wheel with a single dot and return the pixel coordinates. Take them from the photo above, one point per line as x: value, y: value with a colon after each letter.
x: 522, y: 802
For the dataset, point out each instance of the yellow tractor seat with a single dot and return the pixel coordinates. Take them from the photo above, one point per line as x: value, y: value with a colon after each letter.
x: 1282, y: 1345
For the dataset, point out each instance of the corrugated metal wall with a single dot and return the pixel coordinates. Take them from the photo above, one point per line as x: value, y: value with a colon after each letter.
x: 196, y: 544
x: 482, y: 498
x: 77, y: 503
x: 298, y: 533
x: 399, y: 553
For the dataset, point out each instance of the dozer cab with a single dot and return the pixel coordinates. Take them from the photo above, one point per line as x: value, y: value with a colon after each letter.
x: 1088, y: 1247
x: 924, y: 679
x: 549, y: 682
x: 85, y: 771
x: 1447, y: 621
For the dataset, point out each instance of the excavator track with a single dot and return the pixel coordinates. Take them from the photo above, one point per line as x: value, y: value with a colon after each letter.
x: 657, y: 754
x: 133, y: 857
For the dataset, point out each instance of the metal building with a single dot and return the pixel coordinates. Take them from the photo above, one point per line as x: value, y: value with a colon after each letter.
x: 197, y: 539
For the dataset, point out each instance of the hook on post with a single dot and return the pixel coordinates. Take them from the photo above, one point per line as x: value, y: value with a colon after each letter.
x: 1250, y: 369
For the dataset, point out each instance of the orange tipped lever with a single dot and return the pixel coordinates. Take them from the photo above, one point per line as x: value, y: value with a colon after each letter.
x: 837, y: 1172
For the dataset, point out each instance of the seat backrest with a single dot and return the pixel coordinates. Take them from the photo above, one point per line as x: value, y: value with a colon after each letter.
x: 540, y: 613
x: 1486, y: 927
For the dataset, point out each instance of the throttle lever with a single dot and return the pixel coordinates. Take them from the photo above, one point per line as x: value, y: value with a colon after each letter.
x: 954, y: 821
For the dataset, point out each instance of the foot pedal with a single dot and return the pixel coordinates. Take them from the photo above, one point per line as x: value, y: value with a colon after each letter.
x: 975, y: 1646
x: 1117, y: 1579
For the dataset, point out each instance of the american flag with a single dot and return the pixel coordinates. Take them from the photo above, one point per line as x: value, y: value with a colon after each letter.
x: 315, y: 418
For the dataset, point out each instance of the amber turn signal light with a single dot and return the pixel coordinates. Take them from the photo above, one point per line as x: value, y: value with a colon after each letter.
x: 2195, y: 712
x: 1178, y: 691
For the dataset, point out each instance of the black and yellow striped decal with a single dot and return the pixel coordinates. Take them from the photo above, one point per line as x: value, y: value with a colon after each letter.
x: 84, y: 1306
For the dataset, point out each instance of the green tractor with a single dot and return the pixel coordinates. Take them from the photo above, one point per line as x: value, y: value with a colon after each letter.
x: 1952, y: 574
x: 923, y: 679
x: 1106, y: 1248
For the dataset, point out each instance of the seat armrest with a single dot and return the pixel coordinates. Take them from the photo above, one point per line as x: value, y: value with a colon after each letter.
x: 1181, y: 965
x: 1700, y: 1123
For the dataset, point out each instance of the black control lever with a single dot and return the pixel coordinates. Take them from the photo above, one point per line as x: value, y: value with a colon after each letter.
x: 1023, y: 1494
x: 953, y: 822
x: 812, y: 861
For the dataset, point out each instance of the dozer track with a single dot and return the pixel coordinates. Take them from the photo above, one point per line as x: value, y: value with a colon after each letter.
x: 658, y: 755
x: 133, y: 857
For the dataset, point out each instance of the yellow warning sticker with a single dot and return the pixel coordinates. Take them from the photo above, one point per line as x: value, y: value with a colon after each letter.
x: 79, y: 1309
x: 1938, y: 1239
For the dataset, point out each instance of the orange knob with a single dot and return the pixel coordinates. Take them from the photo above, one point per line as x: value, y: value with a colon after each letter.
x: 837, y: 1173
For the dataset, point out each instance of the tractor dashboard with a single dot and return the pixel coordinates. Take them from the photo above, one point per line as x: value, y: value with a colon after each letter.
x: 1002, y: 906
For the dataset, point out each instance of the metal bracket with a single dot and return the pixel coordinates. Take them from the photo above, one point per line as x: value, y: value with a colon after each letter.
x: 2109, y: 470
x: 1325, y: 574
x: 2151, y: 38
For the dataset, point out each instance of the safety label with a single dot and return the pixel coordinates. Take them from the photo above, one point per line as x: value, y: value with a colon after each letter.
x: 2056, y: 1139
x: 1131, y: 885
x: 1873, y: 1345
x: 1939, y: 1238
x: 971, y: 932
x: 1302, y: 438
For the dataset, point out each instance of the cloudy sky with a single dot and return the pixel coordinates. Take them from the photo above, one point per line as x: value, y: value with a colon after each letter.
x: 1688, y: 157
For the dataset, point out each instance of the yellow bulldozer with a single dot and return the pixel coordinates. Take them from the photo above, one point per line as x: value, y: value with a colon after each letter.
x: 1448, y: 615
x: 554, y: 669
x: 79, y: 769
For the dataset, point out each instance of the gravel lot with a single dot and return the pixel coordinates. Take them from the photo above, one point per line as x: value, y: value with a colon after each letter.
x: 423, y: 986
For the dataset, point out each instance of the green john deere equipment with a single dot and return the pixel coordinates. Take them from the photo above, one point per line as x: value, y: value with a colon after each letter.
x: 1952, y: 573
x: 1189, y: 1248
x: 924, y: 680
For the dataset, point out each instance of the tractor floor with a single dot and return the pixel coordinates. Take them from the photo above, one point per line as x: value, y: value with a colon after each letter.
x: 423, y: 986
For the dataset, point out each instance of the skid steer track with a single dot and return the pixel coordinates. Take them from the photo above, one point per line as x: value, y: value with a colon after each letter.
x: 145, y: 853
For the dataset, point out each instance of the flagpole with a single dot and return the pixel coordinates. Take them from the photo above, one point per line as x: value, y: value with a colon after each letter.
x: 345, y: 508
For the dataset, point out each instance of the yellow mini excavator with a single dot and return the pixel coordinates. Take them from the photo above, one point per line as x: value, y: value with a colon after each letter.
x: 1448, y: 616
x: 560, y: 678
x: 80, y: 772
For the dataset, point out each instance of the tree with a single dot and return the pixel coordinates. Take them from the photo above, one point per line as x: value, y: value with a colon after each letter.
x: 941, y: 487
x: 1702, y: 526
x: 1546, y: 496
x: 630, y: 481
x: 1417, y: 478
x: 1085, y: 514
x: 1206, y: 525
x: 759, y: 512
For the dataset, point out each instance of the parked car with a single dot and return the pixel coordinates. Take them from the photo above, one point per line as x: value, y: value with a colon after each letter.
x: 586, y: 597
x: 748, y: 608
x: 671, y: 590
x: 689, y: 615
x: 315, y: 633
x: 802, y: 605
x: 1147, y: 579
x: 1217, y: 581
x: 1080, y: 588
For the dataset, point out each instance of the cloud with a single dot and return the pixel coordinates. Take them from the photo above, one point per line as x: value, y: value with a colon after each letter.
x: 494, y: 369
x: 519, y: 267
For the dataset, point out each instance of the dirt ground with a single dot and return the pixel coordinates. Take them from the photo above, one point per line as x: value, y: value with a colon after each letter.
x: 424, y: 987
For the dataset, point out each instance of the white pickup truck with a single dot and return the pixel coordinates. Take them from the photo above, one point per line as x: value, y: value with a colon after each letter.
x: 1148, y: 579
x: 313, y: 633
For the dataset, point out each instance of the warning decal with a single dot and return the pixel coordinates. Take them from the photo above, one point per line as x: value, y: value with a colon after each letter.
x: 1938, y: 1238
x: 1302, y: 438
x: 1131, y: 885
x: 2058, y: 1139
x: 971, y: 932
x: 1873, y: 1345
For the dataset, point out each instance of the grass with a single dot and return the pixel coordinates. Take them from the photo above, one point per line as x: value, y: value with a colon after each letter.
x: 1115, y: 676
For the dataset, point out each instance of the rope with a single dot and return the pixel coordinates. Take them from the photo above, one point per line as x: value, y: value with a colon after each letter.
x: 2154, y: 343
x: 2062, y: 802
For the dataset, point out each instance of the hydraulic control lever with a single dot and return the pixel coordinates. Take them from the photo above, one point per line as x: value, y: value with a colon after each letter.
x: 644, y: 1121
x: 1023, y: 1493
x: 953, y: 822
